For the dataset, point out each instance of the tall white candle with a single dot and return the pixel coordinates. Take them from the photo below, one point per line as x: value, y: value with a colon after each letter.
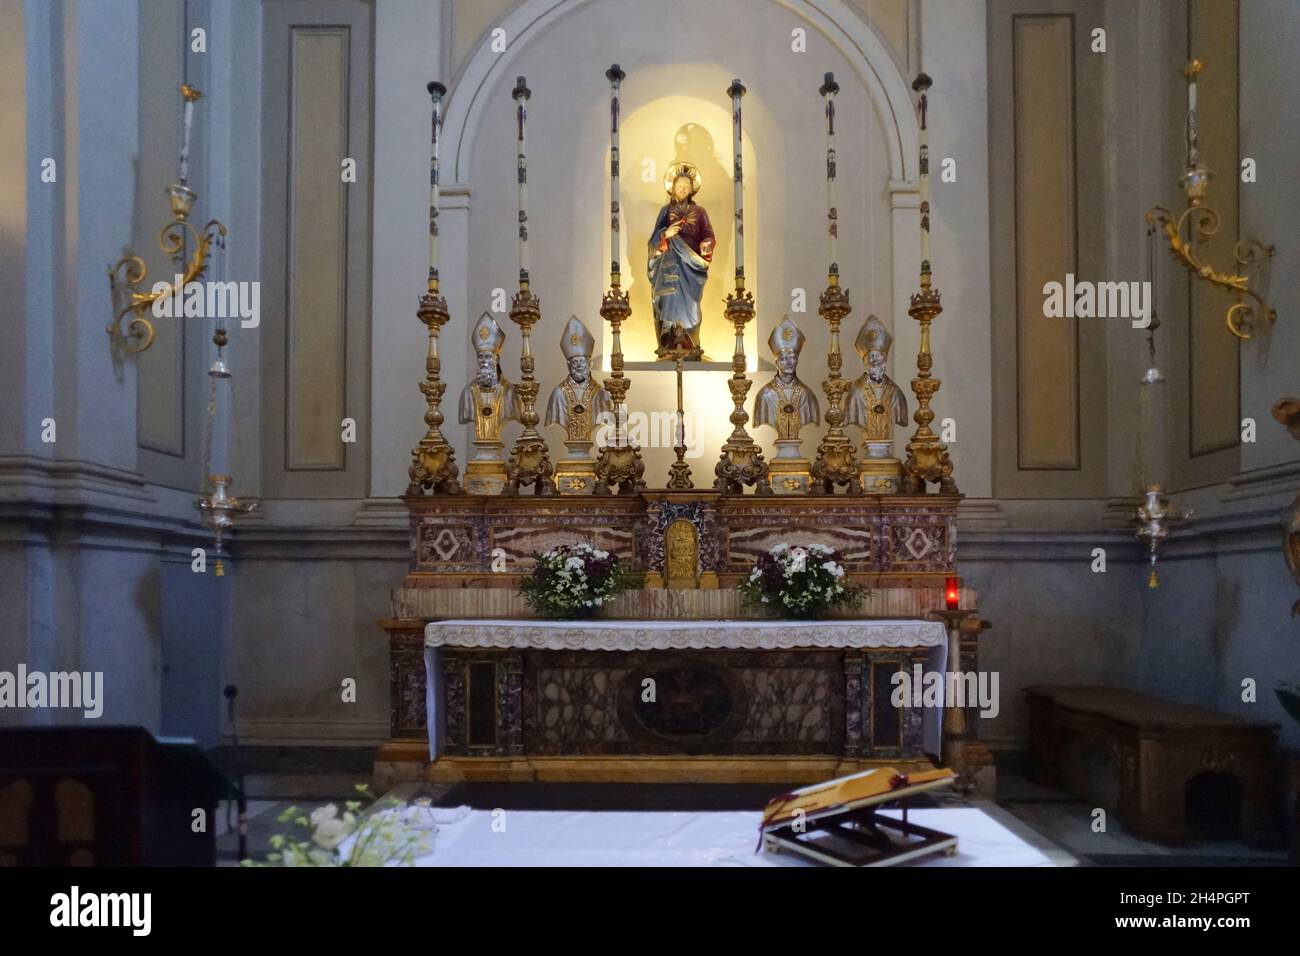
x: 921, y: 85
x: 828, y: 90
x: 436, y: 91
x: 190, y: 95
x: 737, y: 90
x: 521, y: 94
x: 615, y: 76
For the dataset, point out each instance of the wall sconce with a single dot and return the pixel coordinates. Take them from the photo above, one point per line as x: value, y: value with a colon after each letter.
x: 128, y: 274
x: 1199, y: 223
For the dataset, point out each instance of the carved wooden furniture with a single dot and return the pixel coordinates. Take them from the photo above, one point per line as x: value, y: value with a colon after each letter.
x: 1136, y: 756
x: 104, y: 796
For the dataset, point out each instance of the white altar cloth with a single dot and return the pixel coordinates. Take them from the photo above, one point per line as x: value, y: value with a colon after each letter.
x: 603, y: 635
x: 610, y: 635
x: 583, y: 838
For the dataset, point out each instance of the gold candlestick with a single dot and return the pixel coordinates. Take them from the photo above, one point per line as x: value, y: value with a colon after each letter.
x: 530, y: 459
x: 679, y: 477
x: 741, y: 462
x: 619, y: 463
x: 835, y: 463
x: 927, y: 457
x: 433, y: 460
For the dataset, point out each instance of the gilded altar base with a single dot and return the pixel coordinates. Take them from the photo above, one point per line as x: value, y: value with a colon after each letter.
x: 575, y: 476
x: 790, y: 472
x: 881, y: 474
x: 485, y: 472
x: 791, y: 476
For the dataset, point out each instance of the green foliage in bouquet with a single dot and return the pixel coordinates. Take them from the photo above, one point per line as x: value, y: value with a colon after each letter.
x: 799, y: 582
x: 574, y: 581
x: 380, y: 837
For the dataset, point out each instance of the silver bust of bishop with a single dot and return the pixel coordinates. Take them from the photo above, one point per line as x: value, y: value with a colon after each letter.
x: 786, y: 403
x: 578, y: 402
x: 489, y: 400
x: 876, y: 403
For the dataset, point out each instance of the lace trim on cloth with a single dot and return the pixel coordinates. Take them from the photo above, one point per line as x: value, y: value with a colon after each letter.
x: 676, y: 635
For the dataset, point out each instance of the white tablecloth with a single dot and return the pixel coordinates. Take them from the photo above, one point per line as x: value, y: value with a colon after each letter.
x: 609, y: 635
x: 581, y: 838
x: 603, y: 635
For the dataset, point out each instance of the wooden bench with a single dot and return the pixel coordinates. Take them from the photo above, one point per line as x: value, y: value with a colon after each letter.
x: 1136, y: 757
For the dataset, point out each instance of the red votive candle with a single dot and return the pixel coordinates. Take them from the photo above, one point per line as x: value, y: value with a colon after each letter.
x: 952, y: 593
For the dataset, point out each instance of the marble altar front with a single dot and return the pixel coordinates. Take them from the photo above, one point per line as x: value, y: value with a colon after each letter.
x: 525, y: 689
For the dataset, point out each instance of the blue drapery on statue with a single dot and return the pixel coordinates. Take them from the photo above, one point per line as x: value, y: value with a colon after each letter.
x: 677, y: 278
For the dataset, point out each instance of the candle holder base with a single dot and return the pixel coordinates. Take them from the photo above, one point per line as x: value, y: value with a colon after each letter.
x: 621, y: 467
x: 433, y: 460
x: 679, y: 473
x: 927, y: 457
x: 618, y: 465
x: 530, y: 464
x: 741, y: 461
x: 836, y: 462
x: 530, y: 459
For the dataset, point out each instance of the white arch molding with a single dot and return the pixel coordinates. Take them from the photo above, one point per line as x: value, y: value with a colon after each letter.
x: 843, y: 27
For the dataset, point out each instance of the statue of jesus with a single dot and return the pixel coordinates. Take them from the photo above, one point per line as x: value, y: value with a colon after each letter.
x: 680, y: 250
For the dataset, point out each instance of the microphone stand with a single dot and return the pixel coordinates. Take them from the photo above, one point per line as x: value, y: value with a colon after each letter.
x: 241, y: 797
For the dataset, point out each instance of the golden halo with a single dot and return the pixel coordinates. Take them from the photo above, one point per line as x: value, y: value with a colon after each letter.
x: 678, y: 169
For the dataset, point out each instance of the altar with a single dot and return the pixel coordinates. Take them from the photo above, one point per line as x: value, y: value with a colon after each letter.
x: 559, y: 689
x: 669, y: 684
x: 684, y: 675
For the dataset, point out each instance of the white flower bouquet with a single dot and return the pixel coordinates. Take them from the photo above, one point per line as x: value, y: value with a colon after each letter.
x: 389, y: 835
x: 801, y: 581
x: 573, y: 581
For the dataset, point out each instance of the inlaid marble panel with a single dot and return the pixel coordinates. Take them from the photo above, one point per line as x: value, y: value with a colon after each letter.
x: 521, y: 544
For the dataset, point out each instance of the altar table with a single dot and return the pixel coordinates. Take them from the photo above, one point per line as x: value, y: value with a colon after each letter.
x: 581, y: 838
x: 605, y: 688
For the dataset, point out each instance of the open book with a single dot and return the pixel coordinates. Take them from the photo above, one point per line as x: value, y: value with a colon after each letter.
x: 879, y: 785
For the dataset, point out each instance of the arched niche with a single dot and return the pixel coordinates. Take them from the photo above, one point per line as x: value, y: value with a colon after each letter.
x: 677, y: 74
